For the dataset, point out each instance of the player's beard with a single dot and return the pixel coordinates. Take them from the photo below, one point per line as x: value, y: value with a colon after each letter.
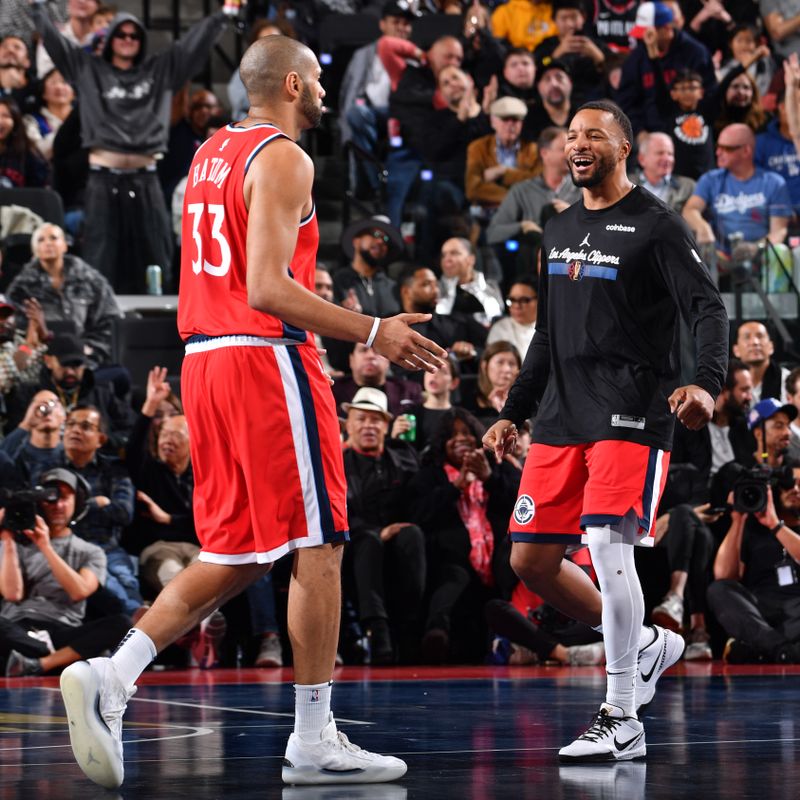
x: 604, y: 166
x: 310, y: 108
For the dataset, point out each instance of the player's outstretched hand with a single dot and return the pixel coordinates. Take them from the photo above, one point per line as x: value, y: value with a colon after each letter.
x: 501, y: 438
x: 693, y: 404
x: 405, y: 347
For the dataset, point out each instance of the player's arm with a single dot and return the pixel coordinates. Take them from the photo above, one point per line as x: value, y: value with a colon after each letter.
x: 277, y: 193
x: 700, y: 304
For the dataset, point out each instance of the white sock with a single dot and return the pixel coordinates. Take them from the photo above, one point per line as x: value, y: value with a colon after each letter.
x: 623, y: 610
x: 132, y: 656
x: 312, y: 709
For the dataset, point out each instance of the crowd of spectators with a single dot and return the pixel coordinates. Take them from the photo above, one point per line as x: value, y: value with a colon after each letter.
x: 454, y: 153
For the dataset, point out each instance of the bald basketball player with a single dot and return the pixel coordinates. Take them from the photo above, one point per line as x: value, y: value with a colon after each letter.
x: 264, y: 430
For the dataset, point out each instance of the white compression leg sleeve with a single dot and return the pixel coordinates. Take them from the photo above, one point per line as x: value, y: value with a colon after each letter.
x: 611, y: 547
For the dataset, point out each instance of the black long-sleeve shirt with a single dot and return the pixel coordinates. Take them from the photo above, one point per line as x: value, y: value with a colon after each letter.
x: 606, y: 356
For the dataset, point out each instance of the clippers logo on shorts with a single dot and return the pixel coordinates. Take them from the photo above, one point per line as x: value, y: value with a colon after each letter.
x: 575, y: 270
x: 524, y: 509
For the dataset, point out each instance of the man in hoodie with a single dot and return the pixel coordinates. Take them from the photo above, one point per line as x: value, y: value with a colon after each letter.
x: 659, y: 40
x: 125, y: 103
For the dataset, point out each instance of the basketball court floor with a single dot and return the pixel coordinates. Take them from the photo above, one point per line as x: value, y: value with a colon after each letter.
x: 714, y: 732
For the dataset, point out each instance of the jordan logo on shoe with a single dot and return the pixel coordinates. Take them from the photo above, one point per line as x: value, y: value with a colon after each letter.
x: 625, y: 745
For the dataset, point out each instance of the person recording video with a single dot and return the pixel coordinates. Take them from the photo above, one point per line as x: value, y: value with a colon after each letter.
x: 756, y: 591
x: 46, y: 575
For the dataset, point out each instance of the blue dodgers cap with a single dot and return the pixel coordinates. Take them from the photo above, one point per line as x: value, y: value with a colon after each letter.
x: 767, y: 408
x: 651, y: 15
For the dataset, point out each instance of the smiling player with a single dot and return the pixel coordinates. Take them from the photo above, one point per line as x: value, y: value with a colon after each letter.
x: 618, y: 268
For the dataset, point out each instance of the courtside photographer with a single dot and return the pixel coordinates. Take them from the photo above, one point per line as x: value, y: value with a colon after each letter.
x: 756, y: 592
x: 46, y: 574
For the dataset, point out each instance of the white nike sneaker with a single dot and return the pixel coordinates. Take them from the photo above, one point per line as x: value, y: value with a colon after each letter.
x: 335, y: 759
x: 611, y: 737
x: 95, y: 700
x: 662, y: 652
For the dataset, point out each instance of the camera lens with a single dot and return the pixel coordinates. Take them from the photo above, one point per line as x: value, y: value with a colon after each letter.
x: 44, y: 409
x: 751, y: 497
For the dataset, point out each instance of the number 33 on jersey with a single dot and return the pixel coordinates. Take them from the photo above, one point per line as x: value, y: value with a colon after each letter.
x: 214, y: 236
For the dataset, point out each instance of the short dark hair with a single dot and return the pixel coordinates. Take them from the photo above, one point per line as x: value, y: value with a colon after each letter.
x: 620, y: 117
x: 103, y: 425
x: 407, y: 273
x: 524, y: 282
x: 564, y: 5
x: 740, y: 27
x: 686, y: 76
x: 518, y: 51
x: 548, y: 136
x: 734, y: 365
x: 791, y: 381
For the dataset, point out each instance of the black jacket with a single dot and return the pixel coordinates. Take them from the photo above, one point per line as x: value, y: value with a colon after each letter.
x: 378, y: 487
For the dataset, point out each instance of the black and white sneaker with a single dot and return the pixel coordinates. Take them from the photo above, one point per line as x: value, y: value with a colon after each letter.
x: 611, y: 737
x: 655, y: 658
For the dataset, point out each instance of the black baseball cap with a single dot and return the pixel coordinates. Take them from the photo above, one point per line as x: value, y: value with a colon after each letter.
x: 68, y: 349
x: 398, y: 8
x: 548, y: 63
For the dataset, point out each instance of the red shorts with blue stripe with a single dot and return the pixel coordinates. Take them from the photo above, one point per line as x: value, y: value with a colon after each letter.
x: 566, y: 488
x: 266, y: 450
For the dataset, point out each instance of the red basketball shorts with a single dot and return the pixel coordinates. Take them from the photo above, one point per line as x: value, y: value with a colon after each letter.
x: 564, y: 489
x: 265, y: 446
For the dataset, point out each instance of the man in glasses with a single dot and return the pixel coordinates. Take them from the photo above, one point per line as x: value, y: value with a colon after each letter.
x: 520, y: 324
x: 125, y: 100
x: 363, y: 286
x: 747, y: 204
x: 110, y: 506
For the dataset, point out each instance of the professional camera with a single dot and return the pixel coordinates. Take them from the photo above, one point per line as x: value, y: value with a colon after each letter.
x: 20, y: 506
x: 750, y: 486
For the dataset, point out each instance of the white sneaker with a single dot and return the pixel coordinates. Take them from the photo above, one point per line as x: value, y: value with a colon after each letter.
x: 95, y: 700
x: 611, y: 737
x: 662, y: 652
x: 586, y: 655
x: 334, y: 759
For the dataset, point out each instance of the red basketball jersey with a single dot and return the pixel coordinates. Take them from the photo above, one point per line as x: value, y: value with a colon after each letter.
x: 213, y: 288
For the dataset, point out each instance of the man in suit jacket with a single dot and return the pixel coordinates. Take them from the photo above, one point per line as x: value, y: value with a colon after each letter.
x: 499, y: 160
x: 656, y: 160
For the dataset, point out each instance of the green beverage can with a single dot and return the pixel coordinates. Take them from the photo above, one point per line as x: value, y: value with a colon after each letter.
x: 411, y: 434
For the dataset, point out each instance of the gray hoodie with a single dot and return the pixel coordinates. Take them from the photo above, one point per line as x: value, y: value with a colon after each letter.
x: 128, y: 111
